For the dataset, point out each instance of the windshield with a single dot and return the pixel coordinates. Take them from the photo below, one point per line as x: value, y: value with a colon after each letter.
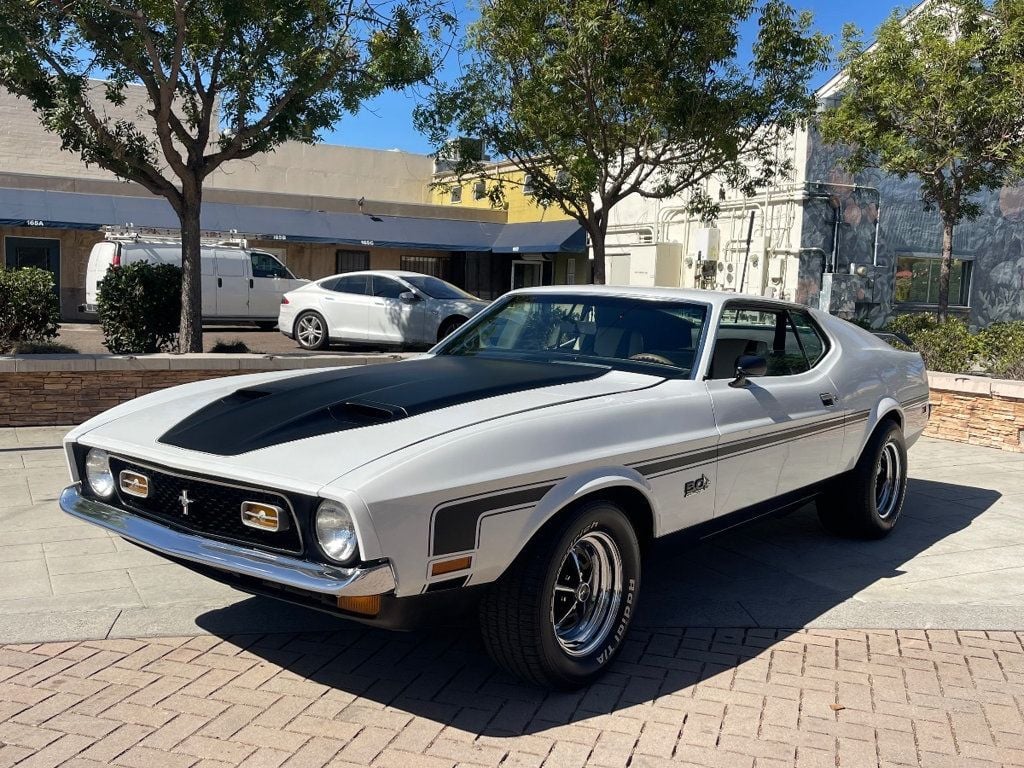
x: 436, y: 288
x: 608, y: 330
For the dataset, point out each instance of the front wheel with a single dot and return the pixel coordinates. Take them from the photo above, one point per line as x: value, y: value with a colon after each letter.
x: 867, y: 501
x: 311, y: 331
x: 559, y: 615
x: 449, y: 326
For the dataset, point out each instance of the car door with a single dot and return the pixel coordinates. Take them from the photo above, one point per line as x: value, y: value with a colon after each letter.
x: 232, y: 283
x: 270, y: 280
x: 780, y: 432
x: 346, y: 307
x: 392, y: 320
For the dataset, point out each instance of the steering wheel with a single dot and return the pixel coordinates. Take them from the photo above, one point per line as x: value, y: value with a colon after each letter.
x: 650, y: 357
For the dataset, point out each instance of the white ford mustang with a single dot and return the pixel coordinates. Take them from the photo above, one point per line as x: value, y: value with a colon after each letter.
x: 522, y: 467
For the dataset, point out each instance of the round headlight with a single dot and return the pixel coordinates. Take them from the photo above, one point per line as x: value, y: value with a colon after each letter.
x: 97, y: 472
x: 335, y: 531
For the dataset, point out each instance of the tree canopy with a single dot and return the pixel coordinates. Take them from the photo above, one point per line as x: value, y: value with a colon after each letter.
x: 939, y: 96
x: 597, y: 100
x: 223, y: 80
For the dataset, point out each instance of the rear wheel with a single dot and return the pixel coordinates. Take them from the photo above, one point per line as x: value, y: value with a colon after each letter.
x: 867, y: 501
x: 311, y: 331
x: 559, y: 615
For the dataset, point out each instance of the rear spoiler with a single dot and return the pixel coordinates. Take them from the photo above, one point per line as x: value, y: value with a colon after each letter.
x: 901, y: 339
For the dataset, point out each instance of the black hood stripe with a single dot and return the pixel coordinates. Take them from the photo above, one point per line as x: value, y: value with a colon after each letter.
x: 348, y: 398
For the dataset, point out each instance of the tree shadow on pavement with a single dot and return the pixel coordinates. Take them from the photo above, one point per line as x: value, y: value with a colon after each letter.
x: 756, y: 582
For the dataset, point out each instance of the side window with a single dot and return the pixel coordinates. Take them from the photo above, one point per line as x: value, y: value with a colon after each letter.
x: 811, y: 339
x: 265, y: 265
x: 767, y: 333
x: 353, y: 284
x: 386, y: 288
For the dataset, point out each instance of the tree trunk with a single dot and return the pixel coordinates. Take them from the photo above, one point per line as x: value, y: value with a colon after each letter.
x: 190, y: 338
x: 597, y: 245
x: 945, y: 267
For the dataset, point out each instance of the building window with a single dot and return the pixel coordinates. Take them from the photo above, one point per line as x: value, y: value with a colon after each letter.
x: 480, y: 190
x: 528, y: 184
x: 570, y: 272
x: 456, y: 195
x: 351, y: 261
x: 917, y: 280
x: 562, y: 179
x: 438, y: 266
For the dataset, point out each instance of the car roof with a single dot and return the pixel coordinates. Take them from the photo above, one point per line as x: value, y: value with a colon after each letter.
x: 665, y: 294
x: 381, y: 272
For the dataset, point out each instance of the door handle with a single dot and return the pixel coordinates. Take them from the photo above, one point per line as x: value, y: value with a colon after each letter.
x: 250, y: 282
x: 828, y: 399
x: 220, y: 282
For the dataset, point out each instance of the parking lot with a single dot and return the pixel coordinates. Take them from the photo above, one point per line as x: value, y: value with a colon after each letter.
x: 770, y: 646
x: 87, y: 338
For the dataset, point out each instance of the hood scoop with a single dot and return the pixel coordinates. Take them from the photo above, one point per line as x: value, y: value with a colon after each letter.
x: 340, y: 399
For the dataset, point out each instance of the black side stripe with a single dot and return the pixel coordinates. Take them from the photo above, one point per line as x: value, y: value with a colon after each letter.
x: 916, y: 401
x: 692, y: 459
x: 455, y: 524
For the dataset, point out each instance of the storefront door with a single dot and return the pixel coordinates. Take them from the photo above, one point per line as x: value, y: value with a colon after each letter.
x: 527, y: 274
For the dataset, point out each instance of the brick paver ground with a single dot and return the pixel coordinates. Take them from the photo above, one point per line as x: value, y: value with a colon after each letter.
x: 730, y: 698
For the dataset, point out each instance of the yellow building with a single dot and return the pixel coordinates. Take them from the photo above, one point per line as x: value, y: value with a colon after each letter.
x: 526, y: 265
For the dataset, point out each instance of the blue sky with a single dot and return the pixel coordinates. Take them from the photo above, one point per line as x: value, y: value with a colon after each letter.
x: 386, y: 122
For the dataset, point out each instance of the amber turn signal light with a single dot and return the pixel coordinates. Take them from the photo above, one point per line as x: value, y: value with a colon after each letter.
x: 442, y: 567
x: 264, y: 517
x: 364, y: 605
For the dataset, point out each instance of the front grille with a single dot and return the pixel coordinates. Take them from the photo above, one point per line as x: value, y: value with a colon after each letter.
x: 214, y: 508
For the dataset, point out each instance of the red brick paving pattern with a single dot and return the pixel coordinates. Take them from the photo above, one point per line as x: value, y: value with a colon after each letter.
x: 730, y: 698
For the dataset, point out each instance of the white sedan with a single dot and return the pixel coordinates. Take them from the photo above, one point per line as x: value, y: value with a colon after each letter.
x: 523, y: 468
x: 382, y: 307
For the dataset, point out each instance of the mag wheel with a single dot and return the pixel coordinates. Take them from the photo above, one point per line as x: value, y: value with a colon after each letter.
x: 867, y: 501
x: 559, y: 615
x: 311, y: 331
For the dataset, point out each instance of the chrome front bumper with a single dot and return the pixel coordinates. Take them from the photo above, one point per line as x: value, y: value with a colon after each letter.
x: 287, y: 571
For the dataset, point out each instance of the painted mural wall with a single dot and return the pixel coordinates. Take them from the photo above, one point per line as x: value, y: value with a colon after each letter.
x: 991, y: 245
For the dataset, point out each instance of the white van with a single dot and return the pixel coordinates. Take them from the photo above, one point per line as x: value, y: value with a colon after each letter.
x: 238, y: 283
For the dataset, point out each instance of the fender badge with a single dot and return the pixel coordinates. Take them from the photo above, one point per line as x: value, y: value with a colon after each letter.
x: 699, y: 485
x: 134, y: 483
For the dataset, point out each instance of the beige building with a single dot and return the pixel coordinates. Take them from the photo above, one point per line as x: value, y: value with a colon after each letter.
x: 323, y: 209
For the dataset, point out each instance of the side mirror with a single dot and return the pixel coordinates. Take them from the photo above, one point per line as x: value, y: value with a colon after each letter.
x: 748, y: 365
x: 408, y: 297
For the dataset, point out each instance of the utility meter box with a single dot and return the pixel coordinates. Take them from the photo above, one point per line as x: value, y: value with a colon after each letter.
x: 707, y: 244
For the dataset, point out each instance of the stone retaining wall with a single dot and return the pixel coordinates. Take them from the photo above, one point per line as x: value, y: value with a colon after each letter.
x: 45, y: 390
x: 977, y: 410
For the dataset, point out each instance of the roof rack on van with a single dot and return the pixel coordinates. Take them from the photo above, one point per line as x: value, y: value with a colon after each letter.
x: 152, y: 235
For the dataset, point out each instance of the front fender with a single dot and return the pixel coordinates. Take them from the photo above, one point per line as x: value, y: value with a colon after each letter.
x: 503, y: 537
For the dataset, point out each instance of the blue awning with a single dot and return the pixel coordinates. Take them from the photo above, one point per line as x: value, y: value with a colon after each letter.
x: 73, y: 210
x: 541, y: 237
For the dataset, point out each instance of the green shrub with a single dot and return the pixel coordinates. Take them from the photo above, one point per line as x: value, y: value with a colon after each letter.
x: 29, y: 307
x: 910, y: 325
x: 1001, y: 347
x: 140, y: 308
x: 42, y: 348
x: 948, y: 347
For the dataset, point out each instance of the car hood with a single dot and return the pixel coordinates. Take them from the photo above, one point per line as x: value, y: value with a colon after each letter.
x: 303, y: 431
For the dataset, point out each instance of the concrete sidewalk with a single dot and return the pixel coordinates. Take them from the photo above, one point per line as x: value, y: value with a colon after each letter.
x: 956, y: 561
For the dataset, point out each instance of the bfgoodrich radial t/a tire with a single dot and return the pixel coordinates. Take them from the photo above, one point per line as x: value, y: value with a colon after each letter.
x: 867, y: 501
x: 559, y: 615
